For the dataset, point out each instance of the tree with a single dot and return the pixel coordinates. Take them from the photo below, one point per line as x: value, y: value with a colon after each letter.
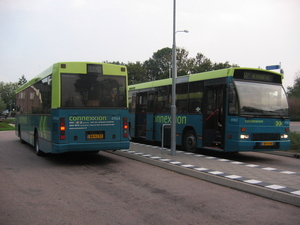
x: 153, y: 71
x: 136, y: 73
x: 201, y: 64
x: 218, y: 66
x: 294, y: 98
x: 7, y: 93
x: 159, y: 66
x: 2, y: 106
x: 183, y: 66
x: 294, y: 92
x: 114, y: 62
x: 22, y: 80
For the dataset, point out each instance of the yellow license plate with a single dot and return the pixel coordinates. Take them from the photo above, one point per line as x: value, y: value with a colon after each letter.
x: 267, y: 143
x: 95, y: 136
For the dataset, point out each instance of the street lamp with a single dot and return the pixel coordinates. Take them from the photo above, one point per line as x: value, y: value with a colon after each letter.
x: 185, y: 31
x: 174, y: 75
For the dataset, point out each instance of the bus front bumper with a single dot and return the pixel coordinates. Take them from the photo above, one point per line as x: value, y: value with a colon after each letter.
x: 243, y: 146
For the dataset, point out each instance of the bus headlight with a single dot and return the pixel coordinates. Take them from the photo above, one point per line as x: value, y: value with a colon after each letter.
x: 284, y: 136
x: 244, y: 136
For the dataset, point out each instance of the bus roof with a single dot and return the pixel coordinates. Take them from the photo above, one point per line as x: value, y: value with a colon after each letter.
x: 76, y: 68
x: 194, y: 77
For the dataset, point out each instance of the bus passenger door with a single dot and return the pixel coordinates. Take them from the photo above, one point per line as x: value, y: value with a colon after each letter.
x: 214, y: 117
x: 150, y: 116
x: 140, y: 116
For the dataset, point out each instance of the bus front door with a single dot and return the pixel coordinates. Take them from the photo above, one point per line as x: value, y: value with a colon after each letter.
x: 214, y: 117
x: 150, y: 116
x: 140, y: 116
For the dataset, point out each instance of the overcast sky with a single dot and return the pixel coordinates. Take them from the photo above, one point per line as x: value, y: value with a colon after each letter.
x: 34, y: 34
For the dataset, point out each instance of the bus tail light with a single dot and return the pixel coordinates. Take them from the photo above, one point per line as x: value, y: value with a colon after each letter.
x: 62, y: 128
x: 125, y: 127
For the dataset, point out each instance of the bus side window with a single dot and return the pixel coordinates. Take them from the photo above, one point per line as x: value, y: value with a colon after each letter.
x: 232, y: 100
x: 36, y: 99
x: 132, y: 102
x: 158, y: 107
x: 182, y: 97
x: 150, y: 102
x: 163, y: 105
x: 195, y: 97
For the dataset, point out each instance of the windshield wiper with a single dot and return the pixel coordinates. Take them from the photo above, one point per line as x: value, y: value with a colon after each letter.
x: 277, y: 113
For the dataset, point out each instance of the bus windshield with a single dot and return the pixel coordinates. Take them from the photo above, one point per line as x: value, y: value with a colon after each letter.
x: 261, y: 99
x: 93, y: 90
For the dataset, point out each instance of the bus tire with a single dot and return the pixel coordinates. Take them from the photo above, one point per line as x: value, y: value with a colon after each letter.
x: 190, y: 141
x: 38, y: 152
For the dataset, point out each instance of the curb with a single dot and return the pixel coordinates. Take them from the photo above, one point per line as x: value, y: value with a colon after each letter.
x: 237, y: 185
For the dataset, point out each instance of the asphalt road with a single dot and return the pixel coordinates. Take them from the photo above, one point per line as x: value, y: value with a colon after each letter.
x: 108, y: 189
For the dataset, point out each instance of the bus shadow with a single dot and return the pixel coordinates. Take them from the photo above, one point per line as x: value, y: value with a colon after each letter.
x: 74, y: 158
x: 80, y: 159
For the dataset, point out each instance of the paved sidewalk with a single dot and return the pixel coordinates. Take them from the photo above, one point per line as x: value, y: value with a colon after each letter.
x: 268, y: 182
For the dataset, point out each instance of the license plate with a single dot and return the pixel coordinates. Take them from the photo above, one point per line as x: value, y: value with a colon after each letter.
x: 95, y: 136
x: 267, y: 143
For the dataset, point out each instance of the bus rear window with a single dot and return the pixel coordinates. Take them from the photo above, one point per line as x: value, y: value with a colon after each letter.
x: 93, y: 90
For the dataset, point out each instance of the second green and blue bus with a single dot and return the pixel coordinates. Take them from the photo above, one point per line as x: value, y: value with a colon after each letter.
x: 74, y: 106
x: 230, y: 110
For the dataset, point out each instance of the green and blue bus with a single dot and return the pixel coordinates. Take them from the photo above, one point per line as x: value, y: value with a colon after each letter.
x: 230, y: 110
x: 74, y: 106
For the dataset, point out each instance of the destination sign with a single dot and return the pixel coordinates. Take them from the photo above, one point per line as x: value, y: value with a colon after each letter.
x: 94, y: 68
x: 257, y: 75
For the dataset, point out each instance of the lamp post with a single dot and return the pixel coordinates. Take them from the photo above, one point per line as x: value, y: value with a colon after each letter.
x: 174, y: 75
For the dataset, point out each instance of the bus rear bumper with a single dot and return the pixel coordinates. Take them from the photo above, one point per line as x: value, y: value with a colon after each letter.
x: 243, y: 146
x: 88, y: 147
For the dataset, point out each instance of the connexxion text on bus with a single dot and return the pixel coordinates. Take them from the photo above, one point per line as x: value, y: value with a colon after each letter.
x: 74, y: 106
x: 230, y: 110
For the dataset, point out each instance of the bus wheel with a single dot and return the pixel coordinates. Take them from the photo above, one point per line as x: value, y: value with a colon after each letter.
x: 37, y: 145
x: 190, y: 141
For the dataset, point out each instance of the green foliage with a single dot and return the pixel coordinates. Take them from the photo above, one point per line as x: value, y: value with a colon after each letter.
x: 5, y: 125
x: 7, y: 93
x: 22, y: 80
x: 159, y: 66
x: 183, y: 62
x: 294, y: 92
x: 294, y: 106
x: 201, y: 64
x: 152, y: 70
x: 294, y: 98
x: 2, y: 105
x: 114, y: 62
x: 295, y: 141
x: 137, y: 73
